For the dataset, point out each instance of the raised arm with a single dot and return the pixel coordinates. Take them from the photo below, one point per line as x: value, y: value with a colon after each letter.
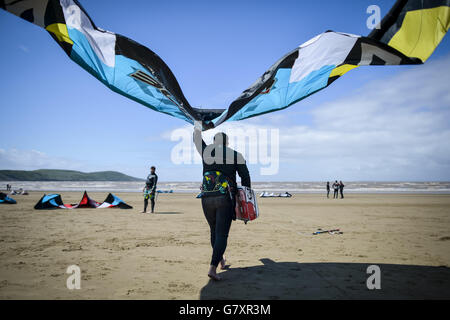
x: 200, y: 145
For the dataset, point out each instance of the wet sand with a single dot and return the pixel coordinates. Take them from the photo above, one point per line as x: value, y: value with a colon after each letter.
x: 124, y: 254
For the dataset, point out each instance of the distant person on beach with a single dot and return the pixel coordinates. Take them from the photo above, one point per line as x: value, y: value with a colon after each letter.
x: 336, y: 190
x: 341, y: 189
x: 150, y: 189
x: 328, y: 189
x: 219, y: 187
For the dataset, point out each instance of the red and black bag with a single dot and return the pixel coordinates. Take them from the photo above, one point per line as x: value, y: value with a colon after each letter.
x: 246, y: 205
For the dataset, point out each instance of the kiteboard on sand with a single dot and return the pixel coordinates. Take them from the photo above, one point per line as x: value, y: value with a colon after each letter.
x: 332, y: 231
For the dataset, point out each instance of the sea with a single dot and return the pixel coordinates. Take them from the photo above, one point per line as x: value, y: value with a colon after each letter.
x: 193, y: 187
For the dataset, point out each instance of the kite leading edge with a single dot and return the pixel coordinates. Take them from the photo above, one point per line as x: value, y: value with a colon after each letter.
x: 409, y: 34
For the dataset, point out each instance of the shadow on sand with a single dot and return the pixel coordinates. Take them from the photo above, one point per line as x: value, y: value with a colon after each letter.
x: 293, y: 280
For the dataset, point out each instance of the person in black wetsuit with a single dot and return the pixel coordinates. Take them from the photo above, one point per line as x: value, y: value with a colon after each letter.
x: 220, y: 161
x: 328, y: 189
x: 150, y: 189
x: 341, y: 189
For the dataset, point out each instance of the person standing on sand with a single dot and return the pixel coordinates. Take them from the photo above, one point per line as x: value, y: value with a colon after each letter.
x: 341, y: 189
x: 219, y: 187
x: 150, y: 189
x: 336, y: 190
x: 328, y: 189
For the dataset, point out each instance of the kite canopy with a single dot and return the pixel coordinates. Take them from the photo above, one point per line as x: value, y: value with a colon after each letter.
x: 409, y: 34
x: 51, y: 201
x: 4, y: 199
x: 54, y: 201
x: 113, y: 201
x: 86, y: 202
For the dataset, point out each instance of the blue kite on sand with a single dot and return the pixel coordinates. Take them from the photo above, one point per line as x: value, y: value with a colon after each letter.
x: 4, y: 199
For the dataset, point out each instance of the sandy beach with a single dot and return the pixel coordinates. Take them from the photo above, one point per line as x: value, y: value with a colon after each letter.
x: 124, y: 254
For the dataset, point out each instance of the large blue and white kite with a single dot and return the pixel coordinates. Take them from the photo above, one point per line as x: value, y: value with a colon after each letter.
x: 409, y: 34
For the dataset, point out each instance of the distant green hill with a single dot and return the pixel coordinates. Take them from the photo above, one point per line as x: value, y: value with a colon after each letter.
x: 63, y: 175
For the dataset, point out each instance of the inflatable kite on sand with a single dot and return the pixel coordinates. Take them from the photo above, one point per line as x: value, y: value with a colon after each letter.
x: 6, y: 200
x: 409, y: 34
x: 54, y: 201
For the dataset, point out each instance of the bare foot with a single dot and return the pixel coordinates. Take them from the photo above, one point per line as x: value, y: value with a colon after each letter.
x: 213, y: 275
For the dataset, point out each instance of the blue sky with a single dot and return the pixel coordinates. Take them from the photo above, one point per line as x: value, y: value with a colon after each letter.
x: 55, y: 115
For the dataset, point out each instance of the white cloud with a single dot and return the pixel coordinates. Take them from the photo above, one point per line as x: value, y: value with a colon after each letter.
x: 391, y: 129
x: 14, y: 159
